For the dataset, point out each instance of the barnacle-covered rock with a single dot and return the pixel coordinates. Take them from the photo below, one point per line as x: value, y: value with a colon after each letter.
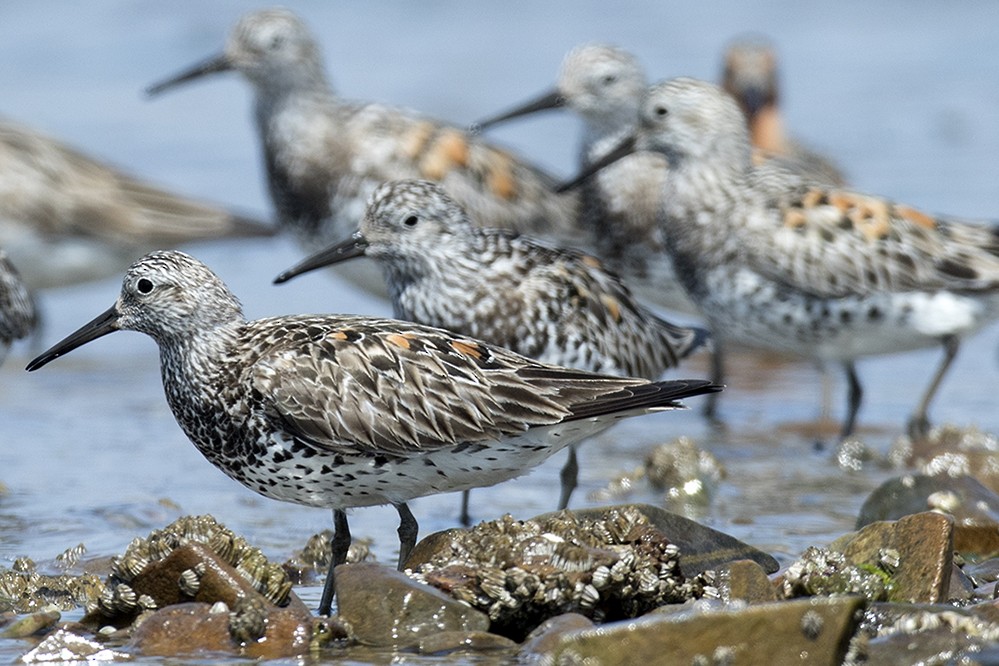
x: 822, y: 572
x: 686, y: 474
x: 24, y: 590
x: 314, y: 559
x: 194, y: 558
x: 522, y: 572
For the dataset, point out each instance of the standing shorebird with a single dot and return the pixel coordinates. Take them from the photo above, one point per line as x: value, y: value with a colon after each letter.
x: 619, y: 206
x: 324, y: 156
x: 552, y: 305
x: 346, y: 411
x: 750, y: 76
x: 778, y: 263
x: 17, y: 310
x: 66, y: 218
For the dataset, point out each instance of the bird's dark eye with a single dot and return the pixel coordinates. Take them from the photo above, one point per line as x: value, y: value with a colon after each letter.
x: 411, y: 221
x: 609, y: 79
x: 661, y: 111
x: 144, y: 285
x: 277, y: 41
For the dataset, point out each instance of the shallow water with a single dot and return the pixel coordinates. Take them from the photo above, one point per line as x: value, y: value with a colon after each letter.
x: 904, y: 95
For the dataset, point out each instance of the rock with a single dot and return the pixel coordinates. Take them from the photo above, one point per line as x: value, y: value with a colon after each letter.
x: 688, y: 475
x: 24, y: 590
x: 183, y: 630
x: 951, y: 451
x: 745, y: 580
x: 963, y: 497
x: 474, y: 641
x: 701, y: 548
x: 924, y: 634
x: 547, y: 635
x: 384, y: 607
x: 258, y: 630
x: 189, y: 572
x: 921, y: 545
x: 814, y: 631
x: 313, y: 561
x: 28, y: 625
x: 824, y: 572
x: 613, y: 565
x: 66, y: 646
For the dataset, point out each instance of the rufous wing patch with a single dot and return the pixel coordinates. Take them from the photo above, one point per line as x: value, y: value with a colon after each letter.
x: 916, y: 217
x: 398, y: 340
x: 416, y: 139
x: 467, y: 348
x: 449, y: 151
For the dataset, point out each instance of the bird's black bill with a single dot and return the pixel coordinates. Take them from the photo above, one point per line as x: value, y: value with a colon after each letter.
x: 623, y: 149
x: 104, y: 323
x: 550, y: 100
x: 354, y: 246
x: 219, y: 63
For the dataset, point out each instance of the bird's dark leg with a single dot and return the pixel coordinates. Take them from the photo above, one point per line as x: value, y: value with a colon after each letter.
x: 340, y: 544
x: 718, y: 377
x: 570, y: 478
x: 465, y: 518
x: 854, y: 396
x: 919, y: 422
x: 408, y: 529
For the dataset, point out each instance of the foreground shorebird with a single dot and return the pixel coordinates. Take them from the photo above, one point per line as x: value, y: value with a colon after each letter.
x: 66, y: 218
x: 750, y: 76
x: 555, y: 306
x: 778, y: 263
x: 17, y: 310
x: 346, y: 411
x: 324, y: 155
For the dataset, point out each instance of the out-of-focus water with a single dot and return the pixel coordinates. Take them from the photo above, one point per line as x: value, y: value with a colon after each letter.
x: 904, y: 95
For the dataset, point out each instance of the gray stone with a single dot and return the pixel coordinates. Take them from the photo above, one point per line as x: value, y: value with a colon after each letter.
x: 385, y: 607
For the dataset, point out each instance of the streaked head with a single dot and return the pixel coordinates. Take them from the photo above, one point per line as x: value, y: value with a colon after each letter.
x: 686, y: 117
x: 167, y: 295
x: 405, y: 219
x: 270, y: 47
x: 602, y: 83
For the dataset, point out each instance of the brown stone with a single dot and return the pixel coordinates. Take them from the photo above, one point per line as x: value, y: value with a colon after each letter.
x: 812, y: 631
x: 220, y: 582
x: 924, y: 543
x: 192, y: 628
x: 745, y: 580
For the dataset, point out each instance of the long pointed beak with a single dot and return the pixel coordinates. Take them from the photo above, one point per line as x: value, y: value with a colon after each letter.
x: 550, y: 100
x: 218, y: 63
x: 622, y: 149
x: 355, y: 246
x: 104, y: 323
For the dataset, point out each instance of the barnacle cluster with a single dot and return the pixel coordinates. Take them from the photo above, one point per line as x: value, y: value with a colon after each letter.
x: 24, y: 590
x: 119, y: 598
x: 523, y: 572
x: 686, y: 474
x: 315, y: 556
x: 823, y: 572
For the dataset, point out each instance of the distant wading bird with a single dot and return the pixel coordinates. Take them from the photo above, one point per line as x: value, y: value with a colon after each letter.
x: 780, y: 263
x: 324, y: 155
